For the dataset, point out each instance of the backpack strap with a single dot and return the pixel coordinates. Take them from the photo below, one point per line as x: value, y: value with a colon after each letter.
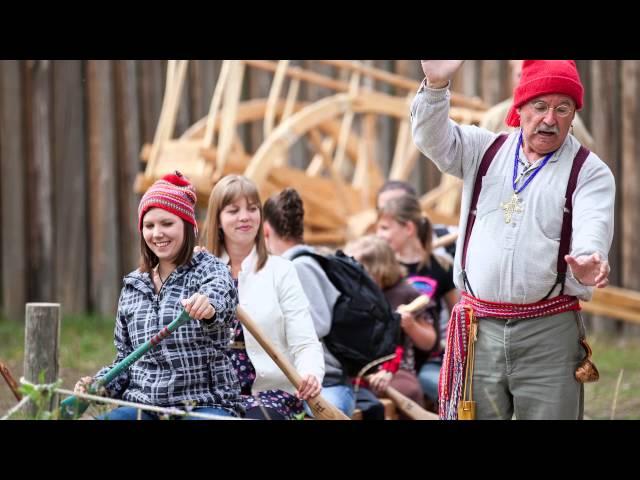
x: 471, y: 218
x: 567, y: 220
x: 303, y: 253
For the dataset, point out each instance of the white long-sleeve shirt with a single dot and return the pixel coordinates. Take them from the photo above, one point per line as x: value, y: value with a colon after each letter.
x: 515, y: 262
x: 275, y: 300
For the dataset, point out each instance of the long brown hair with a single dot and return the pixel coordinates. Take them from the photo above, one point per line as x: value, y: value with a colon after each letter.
x: 149, y: 260
x: 226, y: 191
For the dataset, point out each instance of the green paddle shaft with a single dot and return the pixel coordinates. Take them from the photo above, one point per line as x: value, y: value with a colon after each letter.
x: 73, y: 407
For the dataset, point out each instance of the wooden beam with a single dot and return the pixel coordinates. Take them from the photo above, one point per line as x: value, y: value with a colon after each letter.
x: 403, y: 82
x: 301, y: 74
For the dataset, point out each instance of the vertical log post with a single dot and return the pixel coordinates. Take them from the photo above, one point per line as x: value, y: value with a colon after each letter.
x: 41, y: 341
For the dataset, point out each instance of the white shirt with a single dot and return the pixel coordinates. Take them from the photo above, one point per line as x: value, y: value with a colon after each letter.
x: 275, y: 301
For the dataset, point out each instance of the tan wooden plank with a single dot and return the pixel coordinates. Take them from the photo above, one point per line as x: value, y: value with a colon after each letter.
x: 229, y: 111
x: 611, y: 311
x: 619, y: 297
x: 274, y: 96
x: 404, y: 83
x: 317, y: 143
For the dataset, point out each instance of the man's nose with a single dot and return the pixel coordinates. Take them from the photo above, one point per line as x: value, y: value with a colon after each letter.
x: 550, y: 117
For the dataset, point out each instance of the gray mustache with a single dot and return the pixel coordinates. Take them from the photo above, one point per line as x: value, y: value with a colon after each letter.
x: 547, y: 129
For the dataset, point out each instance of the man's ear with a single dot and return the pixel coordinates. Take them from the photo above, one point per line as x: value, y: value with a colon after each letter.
x: 266, y: 229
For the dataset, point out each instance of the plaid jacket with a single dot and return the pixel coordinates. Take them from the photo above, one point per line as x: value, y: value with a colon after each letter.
x: 190, y: 367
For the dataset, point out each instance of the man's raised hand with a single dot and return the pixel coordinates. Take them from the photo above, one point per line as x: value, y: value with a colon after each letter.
x: 439, y: 72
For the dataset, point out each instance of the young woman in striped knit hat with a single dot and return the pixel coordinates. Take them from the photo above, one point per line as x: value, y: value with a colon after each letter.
x: 190, y: 368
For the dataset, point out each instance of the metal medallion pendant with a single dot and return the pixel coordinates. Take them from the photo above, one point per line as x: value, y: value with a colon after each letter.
x: 512, y: 206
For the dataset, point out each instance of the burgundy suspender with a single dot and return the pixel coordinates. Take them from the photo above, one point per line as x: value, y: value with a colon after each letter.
x: 471, y: 218
x: 567, y: 219
x: 565, y: 236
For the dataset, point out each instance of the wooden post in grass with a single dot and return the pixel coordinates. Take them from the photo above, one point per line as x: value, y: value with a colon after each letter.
x: 41, y: 344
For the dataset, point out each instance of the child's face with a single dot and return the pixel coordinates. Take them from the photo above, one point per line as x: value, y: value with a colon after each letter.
x: 395, y: 233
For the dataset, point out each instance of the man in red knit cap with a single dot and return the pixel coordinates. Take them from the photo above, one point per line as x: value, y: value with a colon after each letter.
x: 494, y: 118
x: 536, y: 227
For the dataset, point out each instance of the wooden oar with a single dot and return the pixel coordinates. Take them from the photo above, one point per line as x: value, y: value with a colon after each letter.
x: 321, y: 409
x: 404, y: 403
x: 410, y: 408
x: 13, y: 385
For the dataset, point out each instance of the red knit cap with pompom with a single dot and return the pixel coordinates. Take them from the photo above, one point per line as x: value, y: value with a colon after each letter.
x: 544, y: 77
x: 177, y: 179
x: 173, y: 193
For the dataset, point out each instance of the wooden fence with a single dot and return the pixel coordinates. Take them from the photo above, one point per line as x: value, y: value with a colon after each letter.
x: 71, y: 134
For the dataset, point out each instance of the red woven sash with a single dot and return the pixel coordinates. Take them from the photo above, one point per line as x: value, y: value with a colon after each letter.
x: 452, y: 371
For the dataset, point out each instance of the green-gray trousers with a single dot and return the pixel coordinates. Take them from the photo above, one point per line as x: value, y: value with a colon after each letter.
x: 525, y: 367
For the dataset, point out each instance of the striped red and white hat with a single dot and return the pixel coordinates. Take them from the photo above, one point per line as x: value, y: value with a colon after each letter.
x: 173, y: 193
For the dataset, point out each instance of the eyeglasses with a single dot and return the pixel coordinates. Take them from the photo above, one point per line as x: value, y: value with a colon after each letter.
x: 541, y: 108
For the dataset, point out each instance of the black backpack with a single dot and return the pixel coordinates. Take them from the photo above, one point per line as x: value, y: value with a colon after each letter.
x: 364, y: 327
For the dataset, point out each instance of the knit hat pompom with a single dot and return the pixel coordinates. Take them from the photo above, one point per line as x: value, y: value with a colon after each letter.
x: 177, y: 179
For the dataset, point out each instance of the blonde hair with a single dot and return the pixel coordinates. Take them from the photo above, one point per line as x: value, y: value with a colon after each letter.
x: 377, y: 257
x: 226, y: 191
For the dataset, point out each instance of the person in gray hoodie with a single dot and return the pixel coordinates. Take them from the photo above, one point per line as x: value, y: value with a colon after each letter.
x: 283, y: 230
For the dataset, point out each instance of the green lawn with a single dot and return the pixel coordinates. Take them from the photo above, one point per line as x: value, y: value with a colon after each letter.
x: 87, y: 345
x: 614, y: 357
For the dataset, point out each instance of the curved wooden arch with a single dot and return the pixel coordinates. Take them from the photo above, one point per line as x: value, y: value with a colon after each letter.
x: 349, y: 213
x: 323, y: 112
x: 254, y: 110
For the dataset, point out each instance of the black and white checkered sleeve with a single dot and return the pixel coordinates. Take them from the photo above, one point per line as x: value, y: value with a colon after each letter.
x: 123, y: 348
x: 216, y: 283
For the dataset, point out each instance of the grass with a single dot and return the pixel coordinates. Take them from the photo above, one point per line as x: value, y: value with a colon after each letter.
x: 611, y: 356
x: 86, y: 344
